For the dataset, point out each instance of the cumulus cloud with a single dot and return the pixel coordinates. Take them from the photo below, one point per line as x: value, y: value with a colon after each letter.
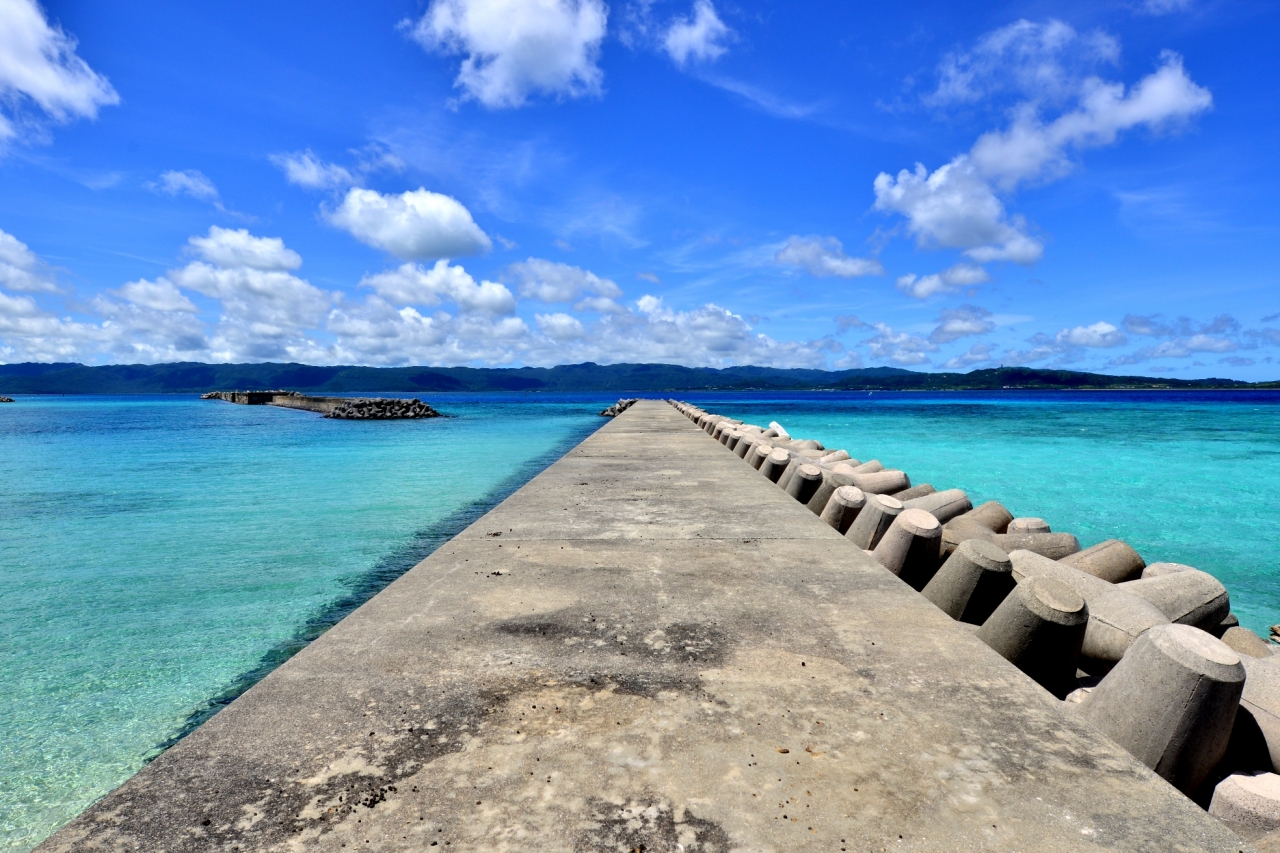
x: 188, y: 182
x: 901, y: 348
x: 548, y: 281
x: 157, y: 295
x: 700, y: 38
x: 947, y: 281
x: 229, y: 248
x: 955, y: 207
x: 1042, y: 61
x: 824, y: 257
x: 416, y: 225
x: 959, y: 205
x: 39, y: 67
x: 976, y: 354
x: 413, y: 284
x: 1179, y: 348
x: 560, y: 327
x: 305, y: 169
x: 20, y: 269
x: 515, y: 48
x: 961, y: 322
x: 1032, y: 148
x: 1154, y: 325
x: 1101, y: 335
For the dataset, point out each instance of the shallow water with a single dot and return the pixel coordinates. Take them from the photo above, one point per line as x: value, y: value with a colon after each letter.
x: 159, y: 554
x: 1189, y: 478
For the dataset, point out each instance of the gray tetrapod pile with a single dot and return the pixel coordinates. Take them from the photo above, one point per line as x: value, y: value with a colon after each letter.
x: 381, y: 409
x: 1151, y: 655
x: 619, y: 407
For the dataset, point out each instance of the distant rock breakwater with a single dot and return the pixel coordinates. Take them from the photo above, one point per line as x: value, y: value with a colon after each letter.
x: 339, y: 408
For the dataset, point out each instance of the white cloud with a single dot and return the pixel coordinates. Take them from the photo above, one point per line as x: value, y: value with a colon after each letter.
x: 188, y: 182
x: 413, y: 284
x: 698, y: 39
x: 548, y: 281
x: 158, y: 295
x: 516, y: 48
x: 948, y: 281
x: 560, y: 327
x: 305, y: 169
x: 977, y: 354
x: 961, y: 322
x: 957, y: 205
x: 1165, y: 7
x: 824, y: 257
x: 416, y: 225
x: 1099, y: 335
x: 1179, y: 348
x: 39, y: 65
x: 20, y: 269
x: 1030, y: 148
x: 1039, y: 61
x: 956, y: 208
x: 901, y: 348
x: 229, y: 248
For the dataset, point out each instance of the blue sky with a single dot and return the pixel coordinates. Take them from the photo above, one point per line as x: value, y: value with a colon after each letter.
x: 498, y: 182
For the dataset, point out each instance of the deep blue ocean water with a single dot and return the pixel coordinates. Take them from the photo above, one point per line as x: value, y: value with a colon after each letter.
x: 158, y: 554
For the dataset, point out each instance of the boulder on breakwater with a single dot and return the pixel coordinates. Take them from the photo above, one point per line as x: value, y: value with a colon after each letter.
x: 1134, y: 648
x: 6, y: 399
x: 618, y: 408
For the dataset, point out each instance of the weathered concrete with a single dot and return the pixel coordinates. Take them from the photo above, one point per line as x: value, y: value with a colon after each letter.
x: 648, y: 655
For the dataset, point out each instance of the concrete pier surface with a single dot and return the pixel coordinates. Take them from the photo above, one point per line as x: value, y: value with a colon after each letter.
x: 648, y: 647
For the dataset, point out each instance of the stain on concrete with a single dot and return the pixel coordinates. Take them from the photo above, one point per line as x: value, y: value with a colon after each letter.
x: 648, y: 826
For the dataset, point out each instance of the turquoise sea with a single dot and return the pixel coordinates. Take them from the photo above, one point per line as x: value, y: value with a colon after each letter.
x: 158, y: 554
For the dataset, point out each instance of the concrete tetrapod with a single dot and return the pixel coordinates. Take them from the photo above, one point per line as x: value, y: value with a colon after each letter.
x: 1159, y: 570
x: 804, y: 482
x: 1261, y: 702
x: 1248, y: 643
x: 760, y: 453
x: 914, y: 492
x: 882, y: 482
x: 1112, y: 560
x: 1171, y: 703
x: 835, y: 456
x: 843, y: 508
x: 1251, y: 801
x: 746, y: 445
x: 992, y: 515
x: 1116, y: 617
x: 872, y: 467
x: 831, y: 480
x: 1055, y: 546
x: 1039, y: 628
x: 774, y: 464
x: 909, y: 548
x: 944, y: 505
x: 972, y: 582
x: 1029, y: 525
x: 1190, y: 597
x: 872, y: 522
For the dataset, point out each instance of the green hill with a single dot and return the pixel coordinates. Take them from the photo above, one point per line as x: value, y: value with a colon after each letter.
x: 193, y: 377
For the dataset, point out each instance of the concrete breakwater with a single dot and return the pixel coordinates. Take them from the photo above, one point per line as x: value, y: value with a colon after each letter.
x: 648, y: 645
x: 342, y: 408
x: 6, y: 399
x: 1150, y: 655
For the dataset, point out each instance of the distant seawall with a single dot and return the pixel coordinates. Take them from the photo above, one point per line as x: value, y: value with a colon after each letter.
x: 342, y: 408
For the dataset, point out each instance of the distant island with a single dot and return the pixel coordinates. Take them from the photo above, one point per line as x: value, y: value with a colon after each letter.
x: 193, y: 377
